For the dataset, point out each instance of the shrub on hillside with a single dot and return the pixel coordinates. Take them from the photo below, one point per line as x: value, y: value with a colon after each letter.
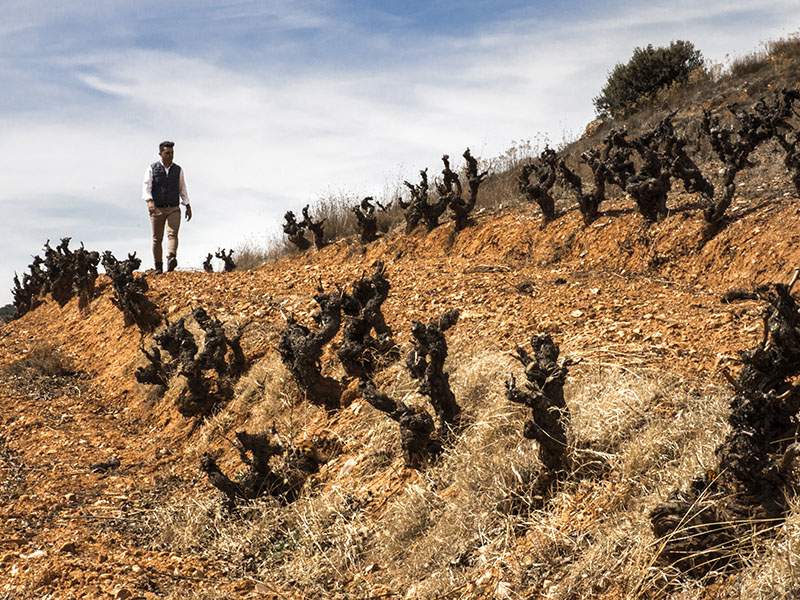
x: 648, y: 71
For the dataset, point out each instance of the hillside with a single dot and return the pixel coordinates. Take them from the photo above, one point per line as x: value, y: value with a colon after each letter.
x: 637, y: 306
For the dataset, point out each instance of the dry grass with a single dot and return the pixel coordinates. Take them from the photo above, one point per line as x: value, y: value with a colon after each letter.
x: 472, y: 524
x: 656, y: 433
x: 788, y: 47
x: 749, y: 64
x: 775, y: 570
x: 765, y: 57
x: 43, y: 360
x: 44, y: 372
x: 253, y: 253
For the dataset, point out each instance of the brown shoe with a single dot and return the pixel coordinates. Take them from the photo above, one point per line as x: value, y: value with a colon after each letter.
x: 159, y: 268
x: 172, y: 262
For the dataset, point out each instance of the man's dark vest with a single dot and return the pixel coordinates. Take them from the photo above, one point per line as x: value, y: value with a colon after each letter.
x: 166, y: 189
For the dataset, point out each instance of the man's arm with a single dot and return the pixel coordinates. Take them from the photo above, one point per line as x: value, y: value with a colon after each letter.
x: 184, y: 194
x: 147, y: 189
x: 182, y: 189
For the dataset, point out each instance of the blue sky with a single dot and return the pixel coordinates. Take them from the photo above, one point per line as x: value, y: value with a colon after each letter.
x: 275, y: 104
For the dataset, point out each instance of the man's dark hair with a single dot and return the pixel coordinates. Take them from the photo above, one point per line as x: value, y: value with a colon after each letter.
x: 163, y: 145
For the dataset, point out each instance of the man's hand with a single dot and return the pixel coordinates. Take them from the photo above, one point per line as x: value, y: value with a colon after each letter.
x: 151, y: 207
x: 188, y: 212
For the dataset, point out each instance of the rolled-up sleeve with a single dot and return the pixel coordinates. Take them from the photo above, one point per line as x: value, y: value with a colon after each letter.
x: 184, y: 194
x: 147, y: 185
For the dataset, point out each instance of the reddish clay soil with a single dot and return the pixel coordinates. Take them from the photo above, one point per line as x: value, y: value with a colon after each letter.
x: 616, y: 292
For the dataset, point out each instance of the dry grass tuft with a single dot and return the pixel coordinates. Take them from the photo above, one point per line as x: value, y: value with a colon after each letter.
x: 749, y: 64
x: 44, y: 373
x: 764, y: 58
x: 788, y: 47
x: 43, y: 360
x: 252, y: 253
x: 775, y: 570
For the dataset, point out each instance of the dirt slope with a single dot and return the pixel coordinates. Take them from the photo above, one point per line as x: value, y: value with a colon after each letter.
x: 613, y: 293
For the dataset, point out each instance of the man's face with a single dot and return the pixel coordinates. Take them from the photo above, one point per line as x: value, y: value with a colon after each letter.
x: 166, y: 156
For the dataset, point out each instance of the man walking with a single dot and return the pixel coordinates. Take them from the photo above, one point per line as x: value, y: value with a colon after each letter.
x: 164, y: 192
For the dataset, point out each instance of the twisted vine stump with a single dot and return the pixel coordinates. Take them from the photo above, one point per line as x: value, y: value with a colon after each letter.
x: 179, y: 344
x: 651, y: 184
x: 209, y: 373
x: 130, y: 292
x: 177, y: 341
x: 778, y: 116
x: 417, y: 439
x: 425, y: 363
x: 419, y: 208
x: 543, y: 393
x: 414, y: 207
x: 648, y: 185
x: 366, y: 220
x: 420, y: 440
x: 589, y: 202
x: 30, y: 293
x: 155, y: 372
x: 361, y: 353
x: 712, y: 524
x: 315, y: 227
x: 208, y: 385
x: 681, y: 165
x: 208, y: 266
x: 63, y: 274
x: 451, y: 189
x: 227, y: 259
x: 259, y: 478
x: 300, y: 350
x: 295, y: 231
x: 221, y: 352
x: 616, y: 155
x: 791, y: 146
x: 733, y: 147
x: 85, y: 275
x: 450, y: 184
x: 60, y: 271
x: 543, y: 170
x: 256, y: 480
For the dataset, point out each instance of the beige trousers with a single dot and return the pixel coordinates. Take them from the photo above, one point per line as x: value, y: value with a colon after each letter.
x: 169, y: 217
